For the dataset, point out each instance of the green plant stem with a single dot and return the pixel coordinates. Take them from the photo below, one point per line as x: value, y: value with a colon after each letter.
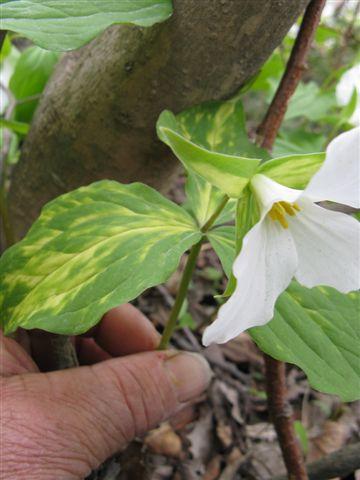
x: 181, y: 294
x: 215, y: 215
x: 186, y: 278
x: 5, y: 220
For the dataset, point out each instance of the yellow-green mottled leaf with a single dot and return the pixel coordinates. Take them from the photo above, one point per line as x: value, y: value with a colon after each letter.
x: 218, y: 127
x: 66, y: 24
x: 222, y: 240
x: 316, y: 329
x: 294, y: 171
x: 206, y: 145
x: 90, y: 250
x: 203, y: 199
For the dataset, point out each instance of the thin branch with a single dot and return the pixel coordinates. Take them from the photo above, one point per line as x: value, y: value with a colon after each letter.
x: 295, y: 68
x: 279, y: 407
x: 282, y: 417
x: 341, y: 463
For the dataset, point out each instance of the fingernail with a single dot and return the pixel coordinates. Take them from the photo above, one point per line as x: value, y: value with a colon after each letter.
x: 190, y: 374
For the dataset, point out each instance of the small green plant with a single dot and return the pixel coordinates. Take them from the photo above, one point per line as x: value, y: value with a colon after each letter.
x: 104, y: 244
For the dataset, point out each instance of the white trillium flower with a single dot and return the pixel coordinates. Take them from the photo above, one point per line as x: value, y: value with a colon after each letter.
x: 296, y: 238
x: 349, y: 81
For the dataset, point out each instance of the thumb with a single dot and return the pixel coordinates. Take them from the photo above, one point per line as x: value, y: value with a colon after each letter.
x: 70, y: 421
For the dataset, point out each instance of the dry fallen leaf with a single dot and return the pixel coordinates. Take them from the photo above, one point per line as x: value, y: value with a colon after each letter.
x: 213, y: 468
x: 164, y: 441
x: 243, y: 350
x: 332, y: 437
x: 200, y: 446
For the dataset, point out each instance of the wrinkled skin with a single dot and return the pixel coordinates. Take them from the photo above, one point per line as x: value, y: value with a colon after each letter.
x: 63, y: 424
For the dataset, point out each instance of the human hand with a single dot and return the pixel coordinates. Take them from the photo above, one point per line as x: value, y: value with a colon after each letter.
x: 61, y: 425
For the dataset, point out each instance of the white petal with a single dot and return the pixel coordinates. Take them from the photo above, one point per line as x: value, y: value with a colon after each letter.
x: 338, y: 179
x: 328, y: 247
x: 264, y: 268
x: 349, y: 80
x: 269, y: 192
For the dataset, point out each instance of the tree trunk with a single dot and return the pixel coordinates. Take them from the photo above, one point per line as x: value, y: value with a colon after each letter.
x: 97, y: 117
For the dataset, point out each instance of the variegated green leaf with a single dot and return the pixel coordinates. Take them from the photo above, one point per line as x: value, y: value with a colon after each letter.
x: 222, y: 240
x: 203, y: 199
x: 316, y: 329
x: 294, y: 171
x: 90, y: 250
x: 218, y: 127
x: 66, y: 25
x: 206, y: 146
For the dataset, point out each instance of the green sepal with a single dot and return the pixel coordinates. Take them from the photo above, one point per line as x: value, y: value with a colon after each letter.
x: 247, y: 215
x: 293, y: 171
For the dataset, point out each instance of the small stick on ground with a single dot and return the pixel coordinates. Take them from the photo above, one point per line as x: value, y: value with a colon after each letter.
x: 341, y: 463
x: 295, y: 68
x: 279, y: 407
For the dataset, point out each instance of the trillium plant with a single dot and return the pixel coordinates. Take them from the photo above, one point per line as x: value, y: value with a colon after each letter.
x: 281, y: 227
x: 104, y: 244
x: 284, y: 227
x: 296, y: 238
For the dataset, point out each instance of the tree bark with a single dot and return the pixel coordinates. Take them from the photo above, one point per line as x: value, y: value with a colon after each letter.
x: 97, y: 117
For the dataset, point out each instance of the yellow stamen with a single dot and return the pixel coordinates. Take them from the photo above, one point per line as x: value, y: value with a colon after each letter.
x: 280, y: 209
x: 288, y: 208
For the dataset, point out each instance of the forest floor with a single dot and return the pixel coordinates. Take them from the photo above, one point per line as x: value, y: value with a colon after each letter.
x: 227, y: 434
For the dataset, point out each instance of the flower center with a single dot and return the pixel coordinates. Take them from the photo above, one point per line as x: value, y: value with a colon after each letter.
x: 280, y: 209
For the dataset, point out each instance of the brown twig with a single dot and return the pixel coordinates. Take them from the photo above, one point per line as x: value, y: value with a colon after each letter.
x: 281, y: 415
x: 296, y: 65
x: 341, y: 463
x: 279, y: 407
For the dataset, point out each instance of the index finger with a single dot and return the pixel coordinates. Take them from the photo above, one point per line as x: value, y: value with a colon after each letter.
x: 124, y: 330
